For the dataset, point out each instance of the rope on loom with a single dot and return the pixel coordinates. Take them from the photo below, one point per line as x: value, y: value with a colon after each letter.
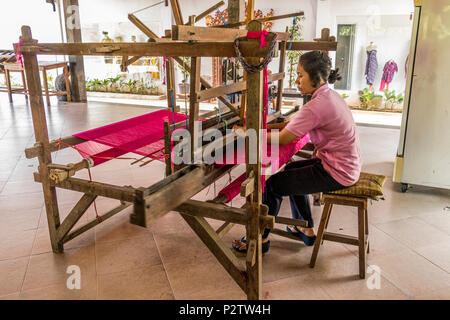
x: 170, y: 84
x: 292, y: 32
x: 263, y: 64
x: 223, y: 19
x: 148, y: 7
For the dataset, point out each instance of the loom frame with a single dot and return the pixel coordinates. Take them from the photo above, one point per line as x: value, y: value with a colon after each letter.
x: 151, y: 203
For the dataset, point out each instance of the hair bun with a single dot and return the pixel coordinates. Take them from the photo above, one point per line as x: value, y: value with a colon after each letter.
x: 334, y: 76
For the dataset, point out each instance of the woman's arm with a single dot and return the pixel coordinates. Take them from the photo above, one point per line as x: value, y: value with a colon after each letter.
x: 279, y: 125
x: 284, y: 137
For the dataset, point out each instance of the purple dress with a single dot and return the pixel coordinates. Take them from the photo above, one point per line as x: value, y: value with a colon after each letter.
x: 371, y: 67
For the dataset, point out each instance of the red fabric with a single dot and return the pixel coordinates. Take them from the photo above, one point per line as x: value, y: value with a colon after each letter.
x: 141, y: 135
x: 285, y: 153
x: 258, y: 34
x: 19, y: 55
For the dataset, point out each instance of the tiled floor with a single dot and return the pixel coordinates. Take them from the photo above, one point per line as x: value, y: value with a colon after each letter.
x: 410, y: 233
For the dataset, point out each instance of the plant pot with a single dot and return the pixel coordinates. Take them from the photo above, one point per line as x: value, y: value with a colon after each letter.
x: 376, y: 103
x: 184, y: 88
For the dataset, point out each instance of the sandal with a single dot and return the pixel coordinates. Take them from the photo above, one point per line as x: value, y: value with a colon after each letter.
x: 265, y: 247
x: 308, y: 241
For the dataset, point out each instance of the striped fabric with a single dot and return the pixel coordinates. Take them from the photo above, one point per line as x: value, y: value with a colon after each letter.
x: 368, y: 186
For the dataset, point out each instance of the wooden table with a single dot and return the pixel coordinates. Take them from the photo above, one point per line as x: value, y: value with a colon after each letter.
x: 43, y: 67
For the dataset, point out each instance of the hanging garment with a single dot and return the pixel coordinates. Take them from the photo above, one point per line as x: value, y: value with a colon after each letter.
x: 388, y: 73
x: 371, y: 67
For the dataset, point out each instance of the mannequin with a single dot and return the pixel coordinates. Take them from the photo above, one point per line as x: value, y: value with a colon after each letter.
x: 371, y: 65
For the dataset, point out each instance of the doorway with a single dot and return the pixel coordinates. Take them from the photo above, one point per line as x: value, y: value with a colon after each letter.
x: 344, y: 55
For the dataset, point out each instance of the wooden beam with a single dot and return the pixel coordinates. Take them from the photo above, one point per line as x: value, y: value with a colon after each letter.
x: 284, y: 16
x: 281, y: 70
x: 309, y: 46
x: 127, y: 194
x: 167, y: 148
x: 208, y: 11
x: 194, y: 105
x: 220, y: 91
x: 95, y: 222
x: 76, y: 63
x: 203, y: 81
x: 141, y: 26
x: 168, y: 49
x: 176, y: 11
x: 54, y: 145
x: 75, y: 214
x: 171, y: 85
x: 41, y: 135
x: 236, y: 11
x: 224, y: 229
x: 222, y: 253
x: 231, y: 88
x: 154, y: 203
x: 213, y: 211
x: 293, y: 222
x: 192, y: 33
x: 250, y: 12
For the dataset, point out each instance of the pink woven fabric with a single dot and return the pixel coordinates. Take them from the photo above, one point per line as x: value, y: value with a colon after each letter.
x: 141, y: 135
x: 285, y: 153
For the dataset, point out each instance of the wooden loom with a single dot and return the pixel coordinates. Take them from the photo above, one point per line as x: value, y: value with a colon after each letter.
x: 171, y: 193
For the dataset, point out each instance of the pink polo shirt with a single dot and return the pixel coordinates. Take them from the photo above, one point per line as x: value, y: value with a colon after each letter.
x: 329, y: 122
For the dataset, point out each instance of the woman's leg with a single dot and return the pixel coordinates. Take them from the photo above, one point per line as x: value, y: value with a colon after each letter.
x: 301, y: 208
x: 298, y: 182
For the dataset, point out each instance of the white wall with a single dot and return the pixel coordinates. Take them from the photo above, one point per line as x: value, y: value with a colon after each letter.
x: 38, y: 15
x: 387, y: 23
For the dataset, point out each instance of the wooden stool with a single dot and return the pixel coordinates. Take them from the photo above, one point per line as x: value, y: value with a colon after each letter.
x: 362, y: 241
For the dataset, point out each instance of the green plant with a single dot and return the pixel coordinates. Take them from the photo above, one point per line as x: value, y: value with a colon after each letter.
x: 344, y: 95
x: 187, y: 62
x: 366, y: 96
x: 391, y: 98
x: 293, y: 56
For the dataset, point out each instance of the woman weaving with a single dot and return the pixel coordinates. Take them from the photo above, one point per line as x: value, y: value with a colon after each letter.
x: 337, y: 164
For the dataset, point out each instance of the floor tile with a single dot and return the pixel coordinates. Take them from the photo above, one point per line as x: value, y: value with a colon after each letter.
x: 125, y: 254
x: 141, y: 283
x: 49, y: 269
x: 12, y: 273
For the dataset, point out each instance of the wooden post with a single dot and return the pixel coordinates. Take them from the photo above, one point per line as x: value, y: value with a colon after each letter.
x: 41, y: 134
x: 170, y: 84
x: 250, y: 11
x: 254, y: 122
x: 236, y: 13
x: 281, y: 69
x: 73, y: 33
x: 176, y: 11
x: 167, y: 149
x: 193, y: 103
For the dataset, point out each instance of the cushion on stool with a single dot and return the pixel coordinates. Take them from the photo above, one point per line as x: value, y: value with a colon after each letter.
x: 368, y: 186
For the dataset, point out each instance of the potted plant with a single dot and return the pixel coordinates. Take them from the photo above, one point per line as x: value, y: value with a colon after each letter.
x: 184, y: 86
x: 392, y: 99
x: 296, y: 31
x: 369, y: 100
x: 107, y: 39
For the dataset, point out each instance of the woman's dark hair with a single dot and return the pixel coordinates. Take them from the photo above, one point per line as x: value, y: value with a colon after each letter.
x: 318, y: 66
